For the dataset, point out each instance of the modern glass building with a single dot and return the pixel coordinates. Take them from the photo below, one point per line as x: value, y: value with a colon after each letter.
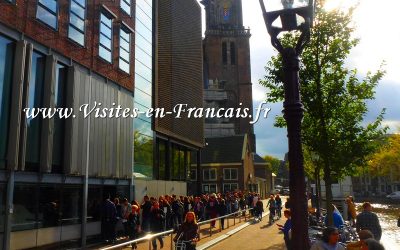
x: 143, y: 134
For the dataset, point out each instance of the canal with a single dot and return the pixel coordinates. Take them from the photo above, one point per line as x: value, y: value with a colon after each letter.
x: 388, y: 215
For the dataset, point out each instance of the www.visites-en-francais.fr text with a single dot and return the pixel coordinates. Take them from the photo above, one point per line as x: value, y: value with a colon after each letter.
x: 116, y: 111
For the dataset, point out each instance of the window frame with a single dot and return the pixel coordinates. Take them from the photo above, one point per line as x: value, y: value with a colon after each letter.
x: 39, y: 4
x: 209, y: 170
x: 230, y: 187
x: 128, y: 31
x: 230, y: 174
x: 195, y: 174
x: 111, y: 17
x: 208, y: 185
x: 70, y: 25
x: 127, y: 2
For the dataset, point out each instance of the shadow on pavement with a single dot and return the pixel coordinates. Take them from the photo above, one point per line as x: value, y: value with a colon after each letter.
x: 277, y: 247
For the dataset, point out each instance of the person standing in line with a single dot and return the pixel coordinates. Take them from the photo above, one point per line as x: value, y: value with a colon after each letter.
x: 367, y: 220
x: 157, y: 217
x: 212, y: 208
x: 134, y: 225
x: 286, y: 228
x: 146, y: 208
x: 108, y: 216
x: 126, y: 211
x: 222, y: 211
x: 272, y: 208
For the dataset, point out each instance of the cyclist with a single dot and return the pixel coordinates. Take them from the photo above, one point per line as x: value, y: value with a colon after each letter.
x: 188, y: 232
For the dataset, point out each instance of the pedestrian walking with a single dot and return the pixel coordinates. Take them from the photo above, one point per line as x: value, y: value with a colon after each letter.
x: 367, y: 220
x: 286, y: 228
x: 259, y: 210
x: 278, y: 202
x: 157, y: 217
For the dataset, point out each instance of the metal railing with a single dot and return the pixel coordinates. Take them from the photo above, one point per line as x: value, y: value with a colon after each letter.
x: 150, y: 237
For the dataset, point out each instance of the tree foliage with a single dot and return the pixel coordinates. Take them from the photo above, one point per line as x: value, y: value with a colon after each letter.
x: 274, y: 163
x: 333, y: 95
x: 386, y: 161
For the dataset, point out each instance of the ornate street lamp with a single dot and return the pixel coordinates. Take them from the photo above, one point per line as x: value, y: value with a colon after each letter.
x: 292, y: 15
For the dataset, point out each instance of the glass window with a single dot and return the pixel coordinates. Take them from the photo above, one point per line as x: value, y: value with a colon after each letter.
x: 143, y: 127
x: 146, y: 6
x: 162, y: 159
x: 142, y: 98
x: 142, y: 16
x: 143, y: 70
x: 105, y: 44
x: 94, y: 203
x: 210, y: 174
x: 142, y: 43
x: 193, y: 174
x: 143, y: 154
x: 144, y: 30
x: 6, y: 69
x: 143, y: 57
x: 49, y: 205
x: 126, y: 6
x: 3, y: 194
x: 124, y: 49
x: 47, y: 12
x: 224, y: 53
x: 59, y: 123
x: 76, y: 29
x: 233, y: 53
x: 71, y: 206
x: 230, y: 174
x: 24, y: 207
x: 142, y: 84
x: 35, y: 100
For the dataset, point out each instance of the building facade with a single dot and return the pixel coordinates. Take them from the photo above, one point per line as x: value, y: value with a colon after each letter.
x: 83, y: 56
x: 179, y: 74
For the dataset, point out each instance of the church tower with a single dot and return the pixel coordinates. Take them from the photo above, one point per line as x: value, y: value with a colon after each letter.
x: 227, y: 72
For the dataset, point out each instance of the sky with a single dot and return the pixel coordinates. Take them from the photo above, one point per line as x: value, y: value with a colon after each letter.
x: 380, y: 39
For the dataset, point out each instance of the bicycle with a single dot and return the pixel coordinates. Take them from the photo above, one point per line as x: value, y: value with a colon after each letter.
x: 183, y: 244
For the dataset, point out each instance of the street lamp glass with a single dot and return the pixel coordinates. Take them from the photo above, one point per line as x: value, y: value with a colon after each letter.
x: 274, y: 5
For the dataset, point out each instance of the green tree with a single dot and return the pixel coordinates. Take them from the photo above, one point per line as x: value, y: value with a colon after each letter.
x: 274, y: 163
x: 333, y: 95
x: 386, y: 160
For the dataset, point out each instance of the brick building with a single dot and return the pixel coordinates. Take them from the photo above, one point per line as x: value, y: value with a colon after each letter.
x: 55, y: 172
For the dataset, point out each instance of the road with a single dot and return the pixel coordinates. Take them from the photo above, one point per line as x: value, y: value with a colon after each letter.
x: 258, y: 236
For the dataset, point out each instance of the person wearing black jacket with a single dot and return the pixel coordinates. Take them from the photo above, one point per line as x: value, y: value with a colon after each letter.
x: 133, y: 225
x: 177, y: 211
x: 222, y: 210
x: 108, y: 215
x: 146, y: 208
x: 188, y: 232
x: 157, y: 218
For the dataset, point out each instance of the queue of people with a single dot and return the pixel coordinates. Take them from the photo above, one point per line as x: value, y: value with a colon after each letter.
x: 123, y: 219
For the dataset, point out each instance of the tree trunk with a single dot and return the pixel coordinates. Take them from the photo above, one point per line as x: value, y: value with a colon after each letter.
x: 328, y: 194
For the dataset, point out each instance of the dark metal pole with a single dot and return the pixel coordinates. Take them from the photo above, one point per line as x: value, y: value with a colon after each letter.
x: 293, y: 114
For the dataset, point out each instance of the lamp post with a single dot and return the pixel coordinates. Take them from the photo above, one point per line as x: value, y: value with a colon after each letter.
x: 282, y: 16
